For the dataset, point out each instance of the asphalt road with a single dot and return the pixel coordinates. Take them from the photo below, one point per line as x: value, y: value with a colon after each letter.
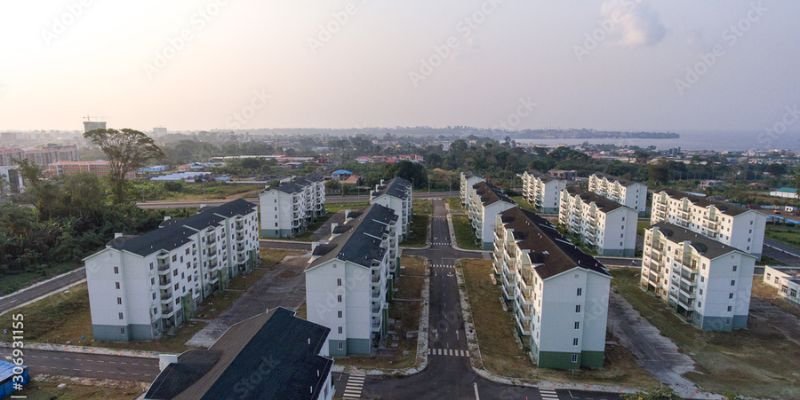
x: 328, y: 199
x: 785, y: 253
x: 31, y: 293
x: 88, y: 365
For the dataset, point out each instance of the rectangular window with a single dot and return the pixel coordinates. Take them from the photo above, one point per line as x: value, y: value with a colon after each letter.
x: 116, y: 270
x: 730, y: 308
x: 574, y: 358
x: 340, y: 330
x: 578, y: 308
x: 339, y: 298
x: 338, y: 281
x: 116, y: 284
x: 730, y: 295
x: 577, y: 325
x: 340, y: 314
x: 580, y: 291
x: 119, y: 300
x: 733, y: 282
x: 574, y: 341
x: 734, y: 268
x: 120, y: 315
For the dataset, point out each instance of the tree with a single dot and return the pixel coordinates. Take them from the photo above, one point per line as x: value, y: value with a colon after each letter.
x: 414, y: 172
x: 126, y: 149
x: 658, y: 173
x: 31, y: 173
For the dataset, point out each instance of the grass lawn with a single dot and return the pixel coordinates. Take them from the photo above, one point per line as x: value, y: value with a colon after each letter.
x: 770, y: 294
x: 333, y: 208
x: 405, y: 308
x: 766, y: 260
x: 422, y: 207
x: 454, y: 203
x: 213, y: 190
x: 502, y: 354
x: 47, y: 390
x: 12, y: 282
x: 65, y: 318
x: 785, y: 233
x: 761, y: 361
x: 641, y: 226
x: 306, y: 236
x: 418, y: 236
x: 522, y: 203
x: 465, y: 236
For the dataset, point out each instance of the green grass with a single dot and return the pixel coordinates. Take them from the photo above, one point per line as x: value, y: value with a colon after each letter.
x: 522, y: 203
x: 333, y: 208
x: 306, y: 236
x: 785, y: 233
x: 422, y: 207
x: 502, y: 354
x: 10, y: 283
x: 465, y: 236
x: 418, y: 236
x: 641, y: 226
x: 455, y: 205
x: 48, y: 390
x: 760, y: 361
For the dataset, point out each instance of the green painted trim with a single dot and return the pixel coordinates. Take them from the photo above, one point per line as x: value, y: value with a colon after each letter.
x: 592, y: 359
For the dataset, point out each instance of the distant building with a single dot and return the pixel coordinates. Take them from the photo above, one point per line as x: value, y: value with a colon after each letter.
x: 352, y: 180
x: 627, y: 193
x: 97, y: 167
x: 707, y: 282
x: 542, y: 191
x: 349, y: 280
x: 786, y: 280
x: 153, y: 169
x: 735, y: 226
x: 141, y: 287
x: 467, y: 181
x: 341, y: 174
x: 93, y: 125
x: 397, y: 195
x: 9, y: 155
x: 193, y: 176
x: 485, y: 202
x: 41, y: 156
x: 288, y: 208
x: 557, y: 294
x: 10, y: 180
x: 159, y: 131
x: 602, y: 224
x: 564, y: 174
x: 785, y: 192
x: 273, y: 355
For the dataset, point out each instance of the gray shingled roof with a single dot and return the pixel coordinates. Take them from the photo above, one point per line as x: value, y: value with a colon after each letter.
x: 490, y: 193
x: 703, y: 244
x: 397, y: 187
x: 604, y: 204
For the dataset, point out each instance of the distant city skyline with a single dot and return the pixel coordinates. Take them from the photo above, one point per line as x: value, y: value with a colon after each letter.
x: 221, y: 64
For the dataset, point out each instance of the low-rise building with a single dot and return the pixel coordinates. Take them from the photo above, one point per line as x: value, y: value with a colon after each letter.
x: 289, y: 207
x: 786, y: 280
x: 557, y: 294
x: 11, y: 180
x: 627, y: 193
x: 349, y: 280
x: 565, y: 174
x: 604, y: 225
x: 486, y: 201
x: 735, y: 226
x: 542, y: 191
x: 273, y: 355
x: 96, y: 167
x: 703, y: 280
x: 397, y: 194
x: 141, y: 287
x: 785, y: 192
x: 467, y: 182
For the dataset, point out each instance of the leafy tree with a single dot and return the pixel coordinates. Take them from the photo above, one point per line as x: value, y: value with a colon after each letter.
x: 126, y: 149
x: 31, y: 173
x: 414, y: 172
x: 658, y: 173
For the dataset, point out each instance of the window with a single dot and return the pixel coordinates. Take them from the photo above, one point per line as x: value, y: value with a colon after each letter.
x: 174, y: 257
x: 701, y: 292
x: 116, y: 284
x: 574, y: 341
x: 151, y: 266
x: 122, y: 330
x: 733, y: 282
x: 578, y: 308
x: 119, y: 300
x: 116, y: 270
x: 730, y: 308
x: 341, y: 346
x: 338, y: 281
x: 734, y: 268
x: 574, y: 358
x: 120, y: 315
x: 580, y: 291
x: 339, y: 298
x: 577, y: 325
x: 702, y: 278
x: 340, y: 330
x: 340, y: 314
x: 730, y: 295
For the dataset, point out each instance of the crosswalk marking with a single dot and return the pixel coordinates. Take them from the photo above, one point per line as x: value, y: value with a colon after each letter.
x: 449, y: 352
x: 355, y: 383
x: 440, y: 243
x: 548, y: 394
x: 443, y: 266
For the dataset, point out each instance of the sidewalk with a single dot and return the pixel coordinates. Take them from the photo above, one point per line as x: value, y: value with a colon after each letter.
x: 86, y: 350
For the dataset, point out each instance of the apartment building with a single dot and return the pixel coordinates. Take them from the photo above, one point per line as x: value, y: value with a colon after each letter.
x: 557, y: 294
x: 705, y: 281
x: 486, y: 201
x: 397, y: 194
x: 735, y: 226
x: 41, y: 156
x: 627, y: 193
x: 96, y: 167
x: 349, y: 283
x: 10, y: 181
x: 288, y: 208
x: 542, y: 191
x: 467, y: 182
x: 141, y: 287
x: 786, y: 280
x: 273, y: 355
x: 604, y: 225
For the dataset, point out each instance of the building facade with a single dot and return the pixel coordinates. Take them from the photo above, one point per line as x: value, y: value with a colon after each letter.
x: 604, y: 225
x: 557, y: 294
x: 542, y: 191
x: 10, y: 181
x: 786, y: 280
x: 467, y: 182
x: 41, y: 156
x: 65, y: 168
x: 629, y: 194
x: 288, y: 208
x: 486, y: 201
x: 703, y: 280
x: 140, y: 287
x: 398, y: 195
x: 349, y: 280
x: 735, y: 226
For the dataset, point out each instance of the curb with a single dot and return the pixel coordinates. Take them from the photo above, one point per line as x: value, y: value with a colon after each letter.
x: 453, y: 242
x: 86, y: 350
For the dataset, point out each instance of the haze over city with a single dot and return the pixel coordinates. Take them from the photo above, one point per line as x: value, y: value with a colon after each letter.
x: 623, y: 65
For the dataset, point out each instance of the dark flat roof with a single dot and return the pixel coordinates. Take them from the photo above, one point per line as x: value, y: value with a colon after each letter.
x: 726, y: 208
x: 603, y: 203
x: 703, y: 244
x: 546, y: 245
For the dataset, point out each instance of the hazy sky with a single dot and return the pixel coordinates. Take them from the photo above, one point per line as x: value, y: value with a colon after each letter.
x: 651, y: 65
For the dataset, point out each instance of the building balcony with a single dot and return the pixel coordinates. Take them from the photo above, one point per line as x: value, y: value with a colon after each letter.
x: 165, y: 284
x: 376, y: 292
x: 167, y: 311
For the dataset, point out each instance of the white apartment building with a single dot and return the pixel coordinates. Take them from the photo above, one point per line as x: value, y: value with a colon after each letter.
x: 10, y: 180
x: 141, y: 287
x: 602, y: 224
x: 467, y: 182
x: 397, y: 195
x: 627, y: 193
x: 735, y: 226
x: 703, y: 280
x: 557, y: 294
x: 542, y: 191
x: 348, y: 280
x: 786, y: 280
x: 288, y: 208
x: 485, y: 202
